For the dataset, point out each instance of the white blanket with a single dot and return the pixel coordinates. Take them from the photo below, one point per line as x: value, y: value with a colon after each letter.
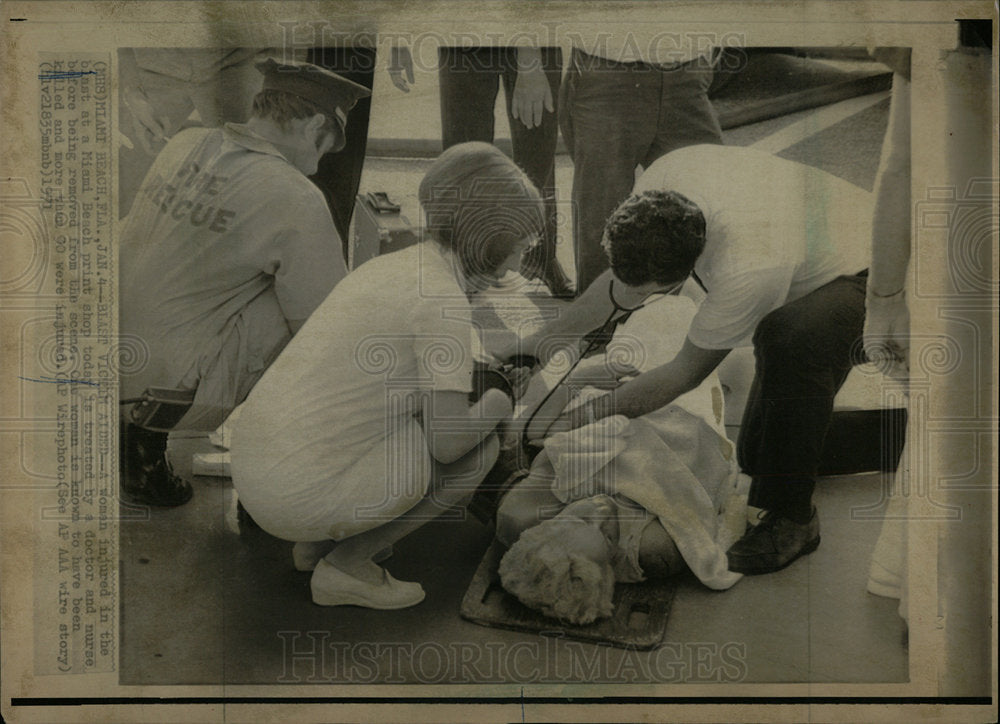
x: 676, y: 468
x: 676, y: 462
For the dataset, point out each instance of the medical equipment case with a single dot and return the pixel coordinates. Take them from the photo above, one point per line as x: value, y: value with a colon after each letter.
x: 379, y: 228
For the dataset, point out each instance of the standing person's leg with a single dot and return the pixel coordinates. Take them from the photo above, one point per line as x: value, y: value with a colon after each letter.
x: 339, y: 174
x: 469, y: 80
x: 804, y: 351
x: 610, y: 118
x: 687, y: 116
x: 534, y: 151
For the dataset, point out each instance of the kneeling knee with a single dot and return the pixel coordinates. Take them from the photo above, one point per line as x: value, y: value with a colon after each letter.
x: 658, y: 554
x: 773, y: 328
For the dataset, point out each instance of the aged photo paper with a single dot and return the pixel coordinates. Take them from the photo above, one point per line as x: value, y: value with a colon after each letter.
x: 115, y: 610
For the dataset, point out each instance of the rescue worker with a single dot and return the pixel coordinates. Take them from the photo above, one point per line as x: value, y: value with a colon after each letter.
x: 227, y: 250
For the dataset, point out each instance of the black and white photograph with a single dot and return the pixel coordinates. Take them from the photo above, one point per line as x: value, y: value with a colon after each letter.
x: 499, y: 361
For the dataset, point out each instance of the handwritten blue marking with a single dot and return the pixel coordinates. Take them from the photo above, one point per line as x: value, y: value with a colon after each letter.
x: 64, y: 74
x: 57, y: 381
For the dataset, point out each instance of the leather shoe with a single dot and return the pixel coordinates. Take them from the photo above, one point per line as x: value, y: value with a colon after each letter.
x: 330, y: 586
x: 773, y: 544
x: 158, y: 486
x: 147, y: 478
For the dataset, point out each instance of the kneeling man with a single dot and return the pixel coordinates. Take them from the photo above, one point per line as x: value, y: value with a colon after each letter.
x: 781, y: 251
x: 227, y: 250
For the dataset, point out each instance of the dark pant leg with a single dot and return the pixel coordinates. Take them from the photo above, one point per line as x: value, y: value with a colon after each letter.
x: 687, y: 117
x: 339, y: 174
x: 534, y: 149
x: 611, y: 115
x: 469, y: 80
x: 803, y: 351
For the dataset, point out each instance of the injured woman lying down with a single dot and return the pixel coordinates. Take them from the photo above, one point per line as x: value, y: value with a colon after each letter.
x: 622, y: 500
x: 365, y: 427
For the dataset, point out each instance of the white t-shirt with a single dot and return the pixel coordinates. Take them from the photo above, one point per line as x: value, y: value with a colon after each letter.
x: 352, y: 378
x: 775, y: 231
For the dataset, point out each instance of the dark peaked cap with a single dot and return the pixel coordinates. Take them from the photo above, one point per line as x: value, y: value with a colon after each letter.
x: 333, y: 94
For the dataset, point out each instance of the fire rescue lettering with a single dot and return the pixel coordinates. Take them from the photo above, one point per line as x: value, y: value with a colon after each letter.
x: 188, y: 195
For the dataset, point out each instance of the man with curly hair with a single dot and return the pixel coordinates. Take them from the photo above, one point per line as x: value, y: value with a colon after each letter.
x: 780, y: 250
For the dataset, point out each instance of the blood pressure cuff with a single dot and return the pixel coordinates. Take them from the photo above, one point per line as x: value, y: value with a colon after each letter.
x: 485, y: 377
x: 523, y: 360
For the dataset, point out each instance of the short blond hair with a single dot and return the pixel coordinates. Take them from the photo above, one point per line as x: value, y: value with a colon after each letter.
x: 545, y: 575
x: 479, y: 205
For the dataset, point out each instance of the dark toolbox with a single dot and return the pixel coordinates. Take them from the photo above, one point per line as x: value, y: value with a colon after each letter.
x: 379, y: 228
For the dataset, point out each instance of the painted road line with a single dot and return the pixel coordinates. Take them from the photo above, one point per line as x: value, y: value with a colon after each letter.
x: 817, y: 121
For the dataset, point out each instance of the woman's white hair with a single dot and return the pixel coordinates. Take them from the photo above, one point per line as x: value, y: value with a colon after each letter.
x: 544, y: 574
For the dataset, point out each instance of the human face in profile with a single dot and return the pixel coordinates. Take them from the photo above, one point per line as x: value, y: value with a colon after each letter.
x: 512, y: 262
x: 633, y: 296
x: 317, y: 138
x: 329, y: 140
x: 481, y: 280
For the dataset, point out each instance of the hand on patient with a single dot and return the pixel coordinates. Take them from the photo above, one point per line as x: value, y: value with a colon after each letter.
x: 570, y: 419
x: 603, y: 372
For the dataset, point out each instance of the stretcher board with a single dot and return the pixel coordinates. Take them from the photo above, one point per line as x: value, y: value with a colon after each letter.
x: 638, y: 622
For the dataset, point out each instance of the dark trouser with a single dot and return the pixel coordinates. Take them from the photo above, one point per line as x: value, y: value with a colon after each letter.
x: 615, y: 116
x: 469, y: 81
x: 804, y: 351
x: 339, y: 174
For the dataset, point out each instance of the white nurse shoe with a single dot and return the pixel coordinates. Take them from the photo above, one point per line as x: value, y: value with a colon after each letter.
x: 332, y: 587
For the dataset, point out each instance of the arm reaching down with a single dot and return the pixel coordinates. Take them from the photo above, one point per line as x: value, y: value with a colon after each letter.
x: 401, y: 67
x: 649, y: 391
x: 453, y: 428
x: 532, y: 94
x: 585, y: 314
x: 887, y: 319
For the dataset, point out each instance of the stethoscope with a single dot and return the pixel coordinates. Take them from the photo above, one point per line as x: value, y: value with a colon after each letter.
x: 602, y: 335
